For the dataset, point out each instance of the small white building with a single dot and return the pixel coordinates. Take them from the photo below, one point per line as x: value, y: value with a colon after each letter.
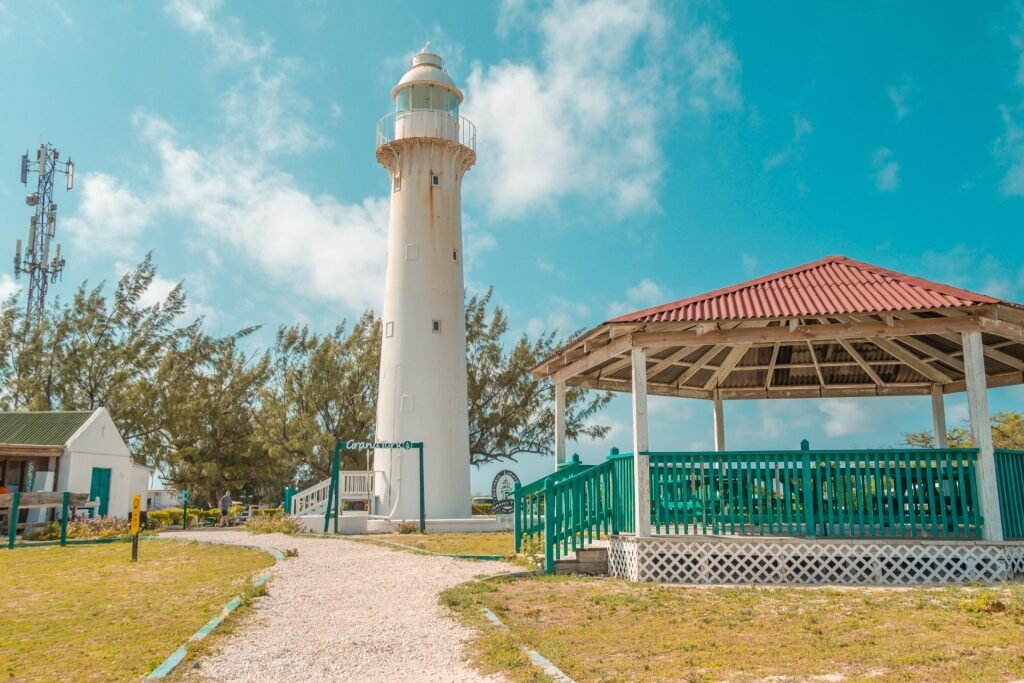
x: 76, y: 451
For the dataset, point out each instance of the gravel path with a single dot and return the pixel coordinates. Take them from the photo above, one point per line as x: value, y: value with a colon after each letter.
x: 344, y: 610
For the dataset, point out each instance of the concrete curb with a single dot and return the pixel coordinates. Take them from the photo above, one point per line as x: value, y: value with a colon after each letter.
x: 539, y: 660
x: 486, y: 558
x: 168, y: 665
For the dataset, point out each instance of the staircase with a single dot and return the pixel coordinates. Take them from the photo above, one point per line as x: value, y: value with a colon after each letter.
x: 589, y: 561
x: 355, y: 486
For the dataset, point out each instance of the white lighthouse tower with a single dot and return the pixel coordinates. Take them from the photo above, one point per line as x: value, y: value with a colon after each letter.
x: 426, y: 148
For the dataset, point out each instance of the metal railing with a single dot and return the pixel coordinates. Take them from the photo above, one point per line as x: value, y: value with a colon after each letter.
x: 912, y: 493
x: 1010, y: 482
x: 426, y: 123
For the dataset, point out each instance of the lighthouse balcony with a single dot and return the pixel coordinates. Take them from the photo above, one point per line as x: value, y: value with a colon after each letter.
x: 426, y: 123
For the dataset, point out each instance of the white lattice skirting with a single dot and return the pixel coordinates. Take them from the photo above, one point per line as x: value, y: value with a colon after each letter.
x: 738, y: 560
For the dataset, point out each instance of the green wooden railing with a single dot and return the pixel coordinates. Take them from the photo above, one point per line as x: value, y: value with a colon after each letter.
x: 916, y: 493
x: 912, y: 493
x: 1010, y: 480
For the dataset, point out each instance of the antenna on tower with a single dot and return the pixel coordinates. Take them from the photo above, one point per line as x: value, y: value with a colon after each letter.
x: 34, y: 261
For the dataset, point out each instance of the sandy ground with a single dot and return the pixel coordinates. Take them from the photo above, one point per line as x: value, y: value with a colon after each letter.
x: 347, y: 611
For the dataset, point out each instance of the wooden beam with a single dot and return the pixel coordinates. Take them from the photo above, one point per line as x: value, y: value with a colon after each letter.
x: 728, y: 364
x: 771, y: 366
x: 859, y: 359
x: 981, y: 434
x: 719, y: 417
x: 938, y: 416
x: 641, y: 443
x: 817, y: 368
x: 601, y: 355
x: 893, y: 349
x: 1003, y: 379
x: 851, y: 330
x: 926, y: 348
x: 1003, y: 329
x: 559, y: 424
x: 669, y: 361
x: 698, y: 364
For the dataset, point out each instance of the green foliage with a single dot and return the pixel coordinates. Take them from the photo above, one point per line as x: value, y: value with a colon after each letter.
x: 213, y: 416
x: 531, y: 551
x: 511, y: 414
x: 321, y: 388
x: 1007, y: 432
x: 408, y: 528
x: 984, y: 602
x: 84, y: 529
x: 273, y: 525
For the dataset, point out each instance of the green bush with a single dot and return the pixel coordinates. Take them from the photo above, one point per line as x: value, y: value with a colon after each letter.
x: 481, y: 509
x: 408, y: 528
x: 267, y: 512
x: 84, y: 529
x: 273, y: 525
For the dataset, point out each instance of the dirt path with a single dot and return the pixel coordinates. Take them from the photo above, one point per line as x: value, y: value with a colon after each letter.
x: 344, y: 610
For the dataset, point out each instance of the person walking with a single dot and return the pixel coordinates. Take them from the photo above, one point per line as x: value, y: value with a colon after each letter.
x: 225, y: 508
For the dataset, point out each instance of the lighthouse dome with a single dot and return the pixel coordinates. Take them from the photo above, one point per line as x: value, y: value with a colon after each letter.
x: 427, y: 70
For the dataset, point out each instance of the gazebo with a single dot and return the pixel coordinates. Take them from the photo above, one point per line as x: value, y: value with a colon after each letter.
x: 832, y: 328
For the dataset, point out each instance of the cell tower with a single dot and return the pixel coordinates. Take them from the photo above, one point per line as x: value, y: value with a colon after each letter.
x: 35, y: 261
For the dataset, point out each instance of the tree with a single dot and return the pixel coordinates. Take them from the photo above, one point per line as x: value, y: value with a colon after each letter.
x: 322, y: 388
x: 1007, y: 432
x: 210, y: 435
x: 511, y: 414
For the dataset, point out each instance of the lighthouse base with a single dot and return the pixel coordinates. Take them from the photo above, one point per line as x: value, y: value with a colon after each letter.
x: 357, y: 523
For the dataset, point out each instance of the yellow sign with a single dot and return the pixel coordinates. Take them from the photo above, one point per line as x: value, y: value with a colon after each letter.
x: 136, y: 514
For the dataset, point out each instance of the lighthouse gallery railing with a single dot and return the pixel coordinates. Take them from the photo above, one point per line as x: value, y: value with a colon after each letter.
x: 426, y: 123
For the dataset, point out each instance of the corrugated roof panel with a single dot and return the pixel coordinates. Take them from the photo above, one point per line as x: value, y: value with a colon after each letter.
x: 40, y: 429
x: 833, y: 286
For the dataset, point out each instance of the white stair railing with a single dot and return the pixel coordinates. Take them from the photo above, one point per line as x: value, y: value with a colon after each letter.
x: 313, y: 500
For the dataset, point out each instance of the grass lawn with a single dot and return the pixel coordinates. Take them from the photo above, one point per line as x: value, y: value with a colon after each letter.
x: 86, y: 613
x: 611, y: 630
x: 483, y: 543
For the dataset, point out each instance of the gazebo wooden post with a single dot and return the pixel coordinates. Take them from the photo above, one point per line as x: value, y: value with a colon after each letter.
x: 939, y: 417
x: 641, y: 444
x: 559, y: 424
x: 719, y: 421
x: 981, y: 433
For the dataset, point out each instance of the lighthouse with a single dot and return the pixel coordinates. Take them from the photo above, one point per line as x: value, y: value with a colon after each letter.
x: 426, y: 148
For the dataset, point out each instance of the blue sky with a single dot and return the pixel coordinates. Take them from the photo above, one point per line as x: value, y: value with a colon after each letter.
x: 629, y: 154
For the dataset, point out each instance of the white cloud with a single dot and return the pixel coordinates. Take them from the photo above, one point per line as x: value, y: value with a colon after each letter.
x: 225, y: 37
x: 586, y: 118
x: 1009, y: 147
x: 749, y: 264
x: 8, y: 286
x: 885, y: 170
x: 231, y: 194
x: 110, y: 217
x: 644, y: 294
x: 560, y: 314
x: 802, y: 127
x: 898, y: 95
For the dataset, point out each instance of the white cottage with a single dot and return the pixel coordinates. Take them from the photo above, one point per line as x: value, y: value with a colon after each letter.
x: 77, y: 451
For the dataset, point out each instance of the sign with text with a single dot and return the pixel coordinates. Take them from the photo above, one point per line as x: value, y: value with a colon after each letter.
x: 136, y: 513
x: 502, y: 493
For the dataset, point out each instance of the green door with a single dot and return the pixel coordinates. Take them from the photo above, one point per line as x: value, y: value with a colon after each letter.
x: 100, y: 488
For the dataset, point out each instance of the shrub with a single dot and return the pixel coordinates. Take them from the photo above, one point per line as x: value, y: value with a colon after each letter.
x: 267, y: 512
x: 531, y: 552
x: 84, y: 529
x: 481, y: 509
x: 408, y: 528
x: 985, y: 602
x: 273, y: 525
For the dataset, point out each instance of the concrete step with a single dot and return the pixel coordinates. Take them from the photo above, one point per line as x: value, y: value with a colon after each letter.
x: 589, y: 561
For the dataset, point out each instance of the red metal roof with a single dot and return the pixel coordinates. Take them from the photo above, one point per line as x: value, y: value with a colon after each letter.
x: 835, y: 285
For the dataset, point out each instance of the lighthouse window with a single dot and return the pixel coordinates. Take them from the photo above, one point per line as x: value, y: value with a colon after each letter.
x: 396, y: 184
x: 455, y: 255
x: 436, y: 326
x: 389, y: 329
x: 435, y: 179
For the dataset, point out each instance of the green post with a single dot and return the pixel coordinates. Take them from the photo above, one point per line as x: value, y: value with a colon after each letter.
x: 64, y: 518
x: 332, y: 489
x: 613, y: 494
x: 423, y: 504
x: 517, y: 524
x: 12, y: 519
x: 549, y: 526
x: 805, y: 448
x: 184, y: 509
